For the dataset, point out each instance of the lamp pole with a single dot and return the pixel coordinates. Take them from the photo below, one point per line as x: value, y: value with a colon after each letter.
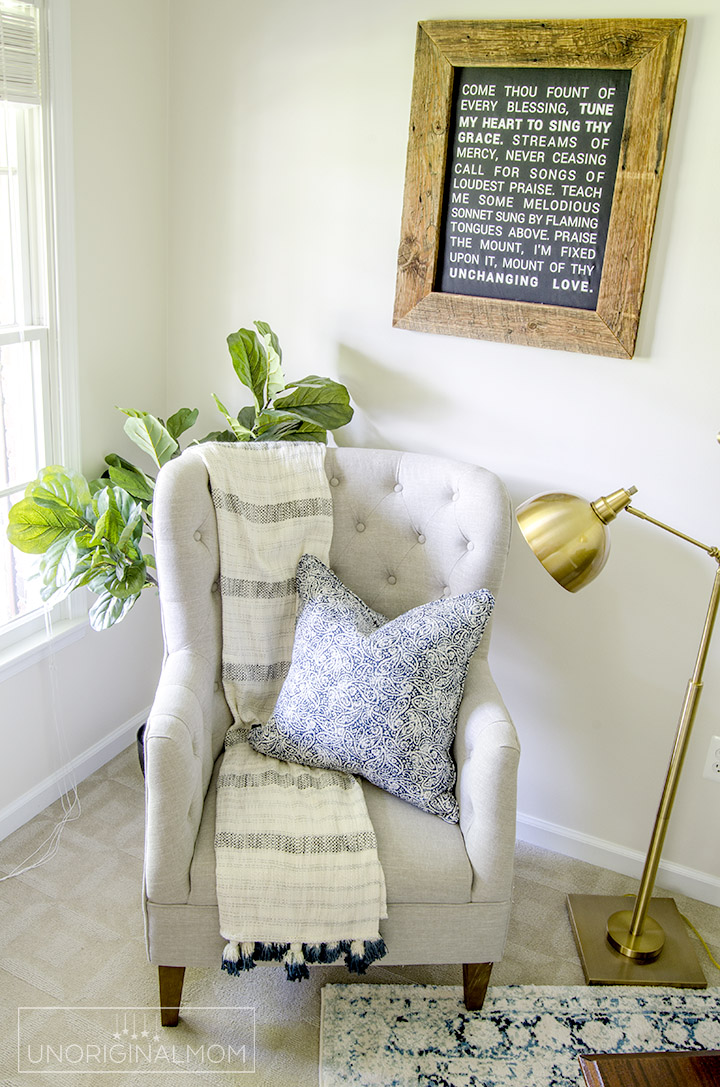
x: 635, y: 934
x: 616, y: 945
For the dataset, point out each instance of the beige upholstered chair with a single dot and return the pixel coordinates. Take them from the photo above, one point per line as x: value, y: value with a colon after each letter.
x: 407, y: 529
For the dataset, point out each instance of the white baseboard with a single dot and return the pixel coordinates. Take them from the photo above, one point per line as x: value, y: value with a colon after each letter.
x: 675, y: 878
x: 46, y: 792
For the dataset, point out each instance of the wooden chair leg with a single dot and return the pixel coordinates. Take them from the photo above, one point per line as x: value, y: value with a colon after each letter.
x: 170, y: 979
x: 476, y: 978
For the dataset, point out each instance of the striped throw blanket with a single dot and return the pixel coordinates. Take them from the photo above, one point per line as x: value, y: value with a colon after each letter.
x: 298, y: 876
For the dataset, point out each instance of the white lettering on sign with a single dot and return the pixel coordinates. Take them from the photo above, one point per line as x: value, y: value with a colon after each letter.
x: 530, y: 178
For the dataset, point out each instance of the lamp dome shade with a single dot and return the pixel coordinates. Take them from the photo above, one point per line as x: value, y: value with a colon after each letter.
x: 567, y: 536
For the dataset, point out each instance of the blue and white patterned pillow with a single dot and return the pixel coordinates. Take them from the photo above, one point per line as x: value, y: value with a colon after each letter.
x: 373, y: 696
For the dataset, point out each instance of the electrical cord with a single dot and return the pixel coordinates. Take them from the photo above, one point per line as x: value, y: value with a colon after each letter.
x: 69, y: 798
x: 708, y: 952
x: 690, y: 925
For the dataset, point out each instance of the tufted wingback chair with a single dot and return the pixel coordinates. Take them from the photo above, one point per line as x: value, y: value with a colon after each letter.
x: 408, y: 528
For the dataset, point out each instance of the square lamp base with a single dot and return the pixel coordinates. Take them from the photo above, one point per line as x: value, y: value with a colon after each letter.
x: 676, y: 964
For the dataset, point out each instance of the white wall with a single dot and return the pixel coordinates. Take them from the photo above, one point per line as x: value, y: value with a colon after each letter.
x: 286, y: 178
x: 119, y: 69
x: 84, y: 703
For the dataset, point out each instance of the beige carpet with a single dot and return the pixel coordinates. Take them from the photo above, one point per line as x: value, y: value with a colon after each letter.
x: 71, y: 935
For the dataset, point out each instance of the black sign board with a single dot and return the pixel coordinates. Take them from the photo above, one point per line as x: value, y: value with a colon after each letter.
x: 529, y: 180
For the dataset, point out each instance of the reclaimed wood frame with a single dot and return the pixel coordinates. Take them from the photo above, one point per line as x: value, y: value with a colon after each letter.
x: 651, y: 49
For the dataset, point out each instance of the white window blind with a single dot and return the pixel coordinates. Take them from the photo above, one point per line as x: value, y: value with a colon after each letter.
x: 19, y: 53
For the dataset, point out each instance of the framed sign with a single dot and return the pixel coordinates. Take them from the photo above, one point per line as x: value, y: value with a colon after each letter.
x: 535, y: 157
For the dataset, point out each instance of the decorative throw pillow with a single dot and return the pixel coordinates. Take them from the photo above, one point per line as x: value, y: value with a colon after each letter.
x: 373, y: 696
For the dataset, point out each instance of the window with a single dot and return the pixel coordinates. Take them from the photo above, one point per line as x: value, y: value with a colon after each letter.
x: 30, y: 396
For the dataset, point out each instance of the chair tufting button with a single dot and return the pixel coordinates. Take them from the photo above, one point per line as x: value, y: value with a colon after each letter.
x: 197, y: 536
x: 398, y: 487
x: 391, y: 579
x: 360, y: 526
x: 334, y: 481
x: 470, y: 546
x: 215, y: 587
x: 446, y: 591
x: 421, y: 538
x: 455, y: 496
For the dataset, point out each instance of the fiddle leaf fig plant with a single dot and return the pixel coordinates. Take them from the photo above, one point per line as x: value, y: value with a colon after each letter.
x: 93, y: 533
x: 296, y: 411
x: 84, y: 534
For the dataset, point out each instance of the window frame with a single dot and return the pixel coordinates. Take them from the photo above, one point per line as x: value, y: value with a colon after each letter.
x: 29, y: 637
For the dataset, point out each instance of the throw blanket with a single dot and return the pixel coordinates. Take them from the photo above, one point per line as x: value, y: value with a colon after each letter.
x: 298, y: 876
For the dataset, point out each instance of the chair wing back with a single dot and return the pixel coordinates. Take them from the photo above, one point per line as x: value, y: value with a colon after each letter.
x: 409, y: 528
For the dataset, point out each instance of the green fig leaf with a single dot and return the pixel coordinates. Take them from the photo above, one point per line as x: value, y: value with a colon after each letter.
x: 108, y: 610
x: 181, y: 421
x: 152, y: 437
x: 33, y: 527
x: 124, y: 474
x: 250, y: 363
x: 317, y: 400
x: 273, y: 351
x: 242, y: 434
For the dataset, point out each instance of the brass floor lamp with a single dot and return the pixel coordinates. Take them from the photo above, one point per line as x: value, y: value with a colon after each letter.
x: 617, y: 945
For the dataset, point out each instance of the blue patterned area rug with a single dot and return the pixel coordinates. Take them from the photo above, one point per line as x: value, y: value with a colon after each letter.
x: 525, y: 1035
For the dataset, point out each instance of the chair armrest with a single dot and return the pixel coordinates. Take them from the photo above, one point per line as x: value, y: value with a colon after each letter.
x: 486, y: 753
x: 183, y: 737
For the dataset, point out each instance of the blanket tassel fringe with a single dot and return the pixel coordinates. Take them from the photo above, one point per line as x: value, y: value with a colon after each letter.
x: 359, y: 954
